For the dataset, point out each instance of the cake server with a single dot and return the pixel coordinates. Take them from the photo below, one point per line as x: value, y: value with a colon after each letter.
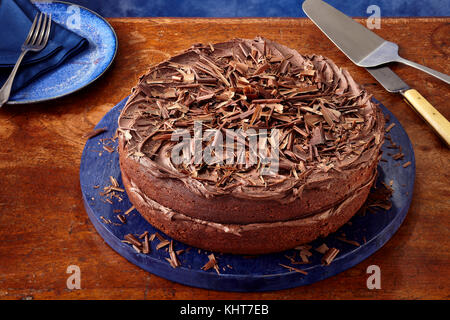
x: 364, y: 47
x: 352, y: 40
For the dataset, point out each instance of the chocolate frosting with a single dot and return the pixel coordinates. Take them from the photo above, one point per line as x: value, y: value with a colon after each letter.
x: 329, y: 124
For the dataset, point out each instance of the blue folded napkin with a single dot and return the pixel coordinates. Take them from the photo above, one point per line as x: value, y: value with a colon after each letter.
x: 16, y: 17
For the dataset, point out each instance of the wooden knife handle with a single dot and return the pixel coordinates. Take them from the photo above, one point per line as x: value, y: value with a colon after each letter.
x: 433, y: 117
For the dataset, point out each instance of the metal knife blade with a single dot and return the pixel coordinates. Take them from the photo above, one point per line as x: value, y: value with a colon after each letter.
x: 388, y: 79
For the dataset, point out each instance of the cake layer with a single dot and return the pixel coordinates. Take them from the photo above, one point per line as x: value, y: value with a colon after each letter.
x: 253, y: 238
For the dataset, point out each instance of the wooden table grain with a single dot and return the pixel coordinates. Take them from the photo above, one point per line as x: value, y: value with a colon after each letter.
x: 44, y: 227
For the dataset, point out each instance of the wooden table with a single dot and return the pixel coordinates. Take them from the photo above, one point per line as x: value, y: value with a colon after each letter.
x: 44, y: 227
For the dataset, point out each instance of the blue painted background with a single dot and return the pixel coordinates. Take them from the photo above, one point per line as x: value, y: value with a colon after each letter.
x: 257, y: 8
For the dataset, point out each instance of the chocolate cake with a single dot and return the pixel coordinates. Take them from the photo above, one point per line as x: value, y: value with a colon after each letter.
x: 309, y: 142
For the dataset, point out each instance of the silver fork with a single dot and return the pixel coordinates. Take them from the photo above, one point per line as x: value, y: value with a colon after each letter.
x: 36, y: 41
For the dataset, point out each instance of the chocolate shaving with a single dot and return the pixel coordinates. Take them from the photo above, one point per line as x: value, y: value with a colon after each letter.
x: 132, y: 239
x: 317, y: 136
x: 162, y: 244
x: 109, y: 149
x: 143, y: 235
x: 329, y: 256
x: 212, y: 263
x: 94, y: 133
x: 146, y: 245
x: 294, y: 269
x: 390, y: 127
x: 105, y: 220
x: 114, y: 181
x: 398, y: 156
x: 352, y: 242
x: 173, y: 256
x: 406, y: 164
x: 122, y: 218
x: 129, y: 210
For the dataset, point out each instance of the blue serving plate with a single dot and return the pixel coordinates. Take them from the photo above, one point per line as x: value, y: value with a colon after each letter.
x: 258, y: 273
x: 82, y: 69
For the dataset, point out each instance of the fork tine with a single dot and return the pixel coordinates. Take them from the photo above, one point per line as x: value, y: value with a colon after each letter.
x: 42, y: 30
x: 30, y: 33
x: 47, y: 33
x: 36, y: 31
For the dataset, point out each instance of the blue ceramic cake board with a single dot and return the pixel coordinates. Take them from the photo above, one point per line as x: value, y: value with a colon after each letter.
x: 247, y: 274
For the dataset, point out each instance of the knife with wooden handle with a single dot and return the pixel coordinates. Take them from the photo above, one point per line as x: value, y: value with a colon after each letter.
x: 357, y: 42
x: 392, y: 83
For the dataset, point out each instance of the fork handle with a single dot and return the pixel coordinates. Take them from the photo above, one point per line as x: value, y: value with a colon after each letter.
x: 6, y: 89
